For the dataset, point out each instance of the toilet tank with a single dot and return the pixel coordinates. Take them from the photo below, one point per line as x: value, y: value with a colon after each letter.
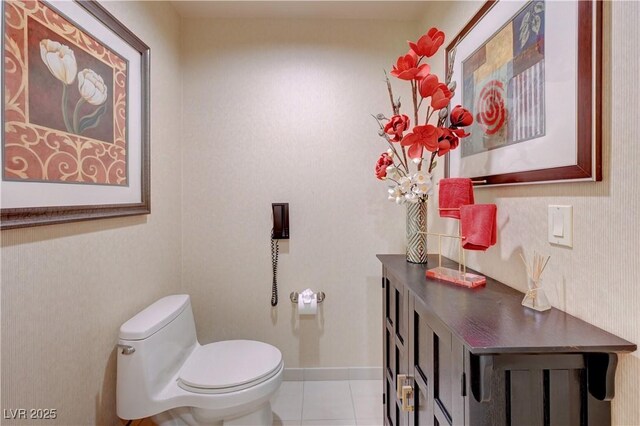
x: 163, y: 335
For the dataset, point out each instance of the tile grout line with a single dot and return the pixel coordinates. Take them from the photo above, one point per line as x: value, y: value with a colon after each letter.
x: 353, y: 404
x: 302, y: 405
x: 354, y: 418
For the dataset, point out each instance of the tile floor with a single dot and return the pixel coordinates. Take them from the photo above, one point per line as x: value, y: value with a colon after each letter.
x: 328, y: 403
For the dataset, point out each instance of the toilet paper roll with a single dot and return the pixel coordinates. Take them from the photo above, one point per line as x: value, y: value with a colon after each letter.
x: 308, y: 308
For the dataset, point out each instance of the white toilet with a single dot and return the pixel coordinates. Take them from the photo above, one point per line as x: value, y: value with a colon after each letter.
x: 164, y: 372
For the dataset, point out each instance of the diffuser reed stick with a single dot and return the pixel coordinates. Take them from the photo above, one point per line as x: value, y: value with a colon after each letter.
x: 535, y: 297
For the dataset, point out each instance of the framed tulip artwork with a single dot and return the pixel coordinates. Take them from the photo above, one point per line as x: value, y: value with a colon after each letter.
x: 530, y: 73
x: 75, y: 141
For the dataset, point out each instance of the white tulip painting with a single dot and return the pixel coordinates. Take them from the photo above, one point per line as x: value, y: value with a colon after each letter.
x: 92, y: 87
x: 59, y: 59
x: 66, y: 99
x: 61, y: 62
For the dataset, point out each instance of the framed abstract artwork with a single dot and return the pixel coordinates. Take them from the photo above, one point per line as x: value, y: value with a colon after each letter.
x: 75, y: 138
x: 530, y: 73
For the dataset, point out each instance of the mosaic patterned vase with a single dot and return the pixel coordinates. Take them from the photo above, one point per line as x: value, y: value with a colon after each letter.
x: 416, y: 223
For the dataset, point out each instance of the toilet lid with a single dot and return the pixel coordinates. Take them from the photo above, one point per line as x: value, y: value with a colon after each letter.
x: 229, y: 366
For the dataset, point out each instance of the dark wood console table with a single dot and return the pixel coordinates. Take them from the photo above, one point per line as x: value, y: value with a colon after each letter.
x: 478, y: 357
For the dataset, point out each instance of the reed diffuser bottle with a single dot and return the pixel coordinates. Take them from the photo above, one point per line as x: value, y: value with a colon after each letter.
x: 535, y: 298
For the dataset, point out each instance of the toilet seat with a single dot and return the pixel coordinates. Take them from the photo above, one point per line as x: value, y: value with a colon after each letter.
x: 229, y: 366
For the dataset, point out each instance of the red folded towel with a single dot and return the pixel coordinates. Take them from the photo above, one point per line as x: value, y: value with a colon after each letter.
x: 453, y: 193
x: 478, y: 226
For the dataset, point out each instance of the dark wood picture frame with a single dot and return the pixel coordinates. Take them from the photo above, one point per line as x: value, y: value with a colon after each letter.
x: 588, y: 166
x: 35, y: 216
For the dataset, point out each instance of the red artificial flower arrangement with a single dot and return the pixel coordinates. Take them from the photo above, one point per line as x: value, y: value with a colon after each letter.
x: 437, y: 139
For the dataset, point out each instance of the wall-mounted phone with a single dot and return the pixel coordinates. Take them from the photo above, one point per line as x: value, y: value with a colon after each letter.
x: 280, y: 231
x: 280, y: 221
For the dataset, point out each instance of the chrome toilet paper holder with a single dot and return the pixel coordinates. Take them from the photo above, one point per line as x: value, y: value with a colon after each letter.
x: 294, y: 296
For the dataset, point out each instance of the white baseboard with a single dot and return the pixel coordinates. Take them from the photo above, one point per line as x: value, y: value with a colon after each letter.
x: 336, y: 373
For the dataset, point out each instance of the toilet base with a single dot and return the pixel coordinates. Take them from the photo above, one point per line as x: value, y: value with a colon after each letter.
x: 176, y: 417
x: 184, y: 416
x: 262, y: 416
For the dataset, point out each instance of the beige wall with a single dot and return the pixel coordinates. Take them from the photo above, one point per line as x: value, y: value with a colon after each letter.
x: 596, y: 280
x: 278, y: 111
x: 67, y: 288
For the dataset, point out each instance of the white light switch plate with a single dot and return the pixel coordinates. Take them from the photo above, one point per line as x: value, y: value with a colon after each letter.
x: 561, y: 225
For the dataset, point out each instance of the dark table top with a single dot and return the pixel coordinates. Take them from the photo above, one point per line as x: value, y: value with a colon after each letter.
x: 491, y: 319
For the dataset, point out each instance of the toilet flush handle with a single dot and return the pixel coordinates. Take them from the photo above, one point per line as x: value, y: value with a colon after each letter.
x: 126, y: 349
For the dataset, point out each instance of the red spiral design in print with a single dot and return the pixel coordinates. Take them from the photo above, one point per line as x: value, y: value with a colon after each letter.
x: 491, y: 112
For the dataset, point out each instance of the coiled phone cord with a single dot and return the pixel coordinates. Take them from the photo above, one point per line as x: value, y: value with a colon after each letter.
x: 275, y: 249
